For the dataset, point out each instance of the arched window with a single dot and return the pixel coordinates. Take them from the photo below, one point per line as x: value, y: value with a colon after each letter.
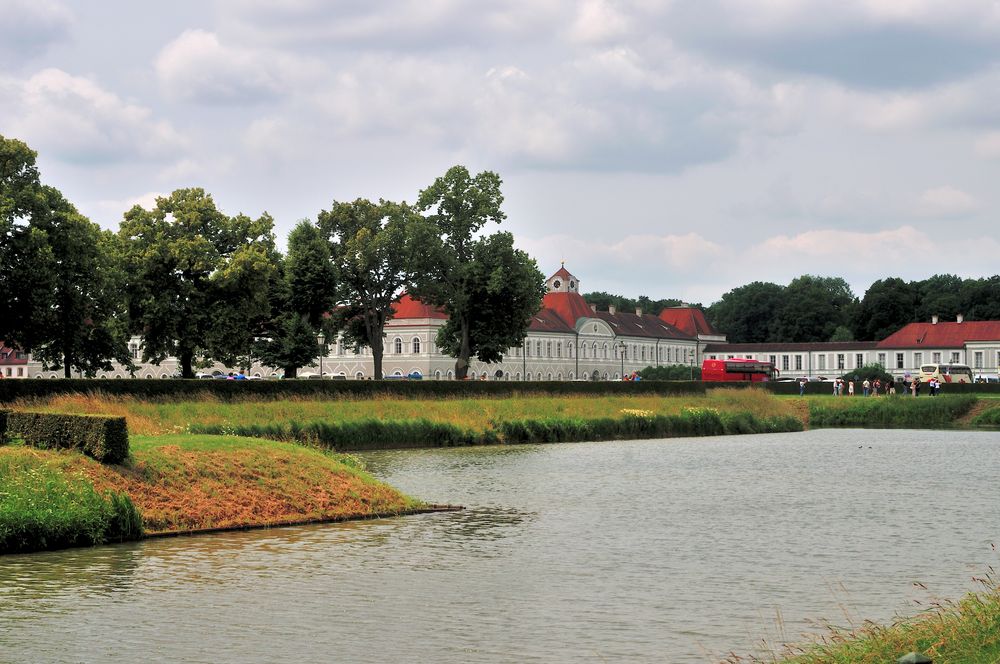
x: 549, y: 376
x: 450, y: 375
x: 605, y: 351
x: 572, y: 376
x: 398, y: 345
x: 437, y: 375
x: 569, y: 350
x: 416, y: 345
x: 595, y: 350
x: 583, y: 350
x: 517, y: 376
x: 359, y: 376
x: 559, y: 376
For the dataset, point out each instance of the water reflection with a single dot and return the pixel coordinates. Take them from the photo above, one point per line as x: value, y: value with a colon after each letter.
x: 676, y: 550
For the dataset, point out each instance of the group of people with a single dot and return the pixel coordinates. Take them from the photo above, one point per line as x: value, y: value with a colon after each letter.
x: 877, y: 386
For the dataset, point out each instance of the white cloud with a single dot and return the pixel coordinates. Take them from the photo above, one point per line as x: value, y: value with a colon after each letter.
x: 988, y: 145
x: 946, y: 202
x: 598, y: 21
x: 75, y: 119
x: 29, y: 27
x: 196, y: 66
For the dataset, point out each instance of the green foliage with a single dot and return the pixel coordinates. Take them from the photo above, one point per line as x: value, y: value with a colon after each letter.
x: 291, y: 344
x: 604, y: 300
x: 812, y: 309
x: 989, y: 417
x: 374, y: 248
x: 842, y: 333
x: 199, y: 280
x: 888, y: 305
x: 890, y: 413
x: 309, y: 274
x: 671, y: 372
x: 100, y: 437
x: 868, y: 372
x: 488, y: 289
x: 45, y: 508
x: 746, y: 314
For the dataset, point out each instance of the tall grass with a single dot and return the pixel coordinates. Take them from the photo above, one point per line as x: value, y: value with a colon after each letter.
x: 988, y: 418
x: 890, y: 413
x: 963, y: 632
x: 44, y: 507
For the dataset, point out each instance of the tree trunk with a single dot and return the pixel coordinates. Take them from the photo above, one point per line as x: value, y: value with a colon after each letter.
x: 187, y: 359
x: 378, y: 348
x: 464, y: 353
x: 67, y: 371
x: 291, y: 372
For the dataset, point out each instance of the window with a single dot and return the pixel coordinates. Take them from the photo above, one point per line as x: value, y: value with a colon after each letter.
x: 583, y: 350
x: 859, y: 361
x: 398, y: 345
x: 595, y: 350
x: 644, y: 353
x: 8, y: 371
x: 784, y: 363
x: 881, y: 359
x: 134, y: 351
x: 773, y: 359
x: 936, y: 358
x: 822, y: 362
x: 559, y: 350
x: 798, y: 363
x: 605, y: 351
x: 840, y: 360
x: 954, y: 357
x: 899, y: 360
x: 548, y: 349
x: 20, y: 372
x: 977, y: 359
x: 538, y: 348
x: 918, y: 359
x: 416, y: 345
x: 569, y: 350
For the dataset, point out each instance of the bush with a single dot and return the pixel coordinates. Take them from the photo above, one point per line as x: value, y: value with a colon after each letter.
x: 671, y: 372
x: 100, y: 437
x: 3, y: 426
x: 990, y: 418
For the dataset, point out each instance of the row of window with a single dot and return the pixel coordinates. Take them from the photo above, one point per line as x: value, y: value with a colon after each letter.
x: 842, y: 361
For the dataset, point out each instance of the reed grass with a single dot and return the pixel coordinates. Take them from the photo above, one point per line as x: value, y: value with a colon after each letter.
x: 890, y: 413
x: 44, y: 504
x: 962, y: 632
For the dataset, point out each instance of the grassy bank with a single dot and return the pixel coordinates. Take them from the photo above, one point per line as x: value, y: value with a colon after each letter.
x: 889, y: 412
x: 177, y: 484
x: 963, y: 632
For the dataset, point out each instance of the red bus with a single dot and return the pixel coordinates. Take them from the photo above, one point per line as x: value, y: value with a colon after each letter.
x: 735, y: 369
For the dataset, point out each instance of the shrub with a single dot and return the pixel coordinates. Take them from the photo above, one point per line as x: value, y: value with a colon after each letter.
x: 100, y: 437
x: 3, y: 426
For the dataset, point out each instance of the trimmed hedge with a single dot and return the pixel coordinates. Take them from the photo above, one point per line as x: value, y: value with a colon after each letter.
x: 3, y: 426
x: 11, y: 390
x: 98, y: 436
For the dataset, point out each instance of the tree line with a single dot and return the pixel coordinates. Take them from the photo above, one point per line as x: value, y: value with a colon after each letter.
x: 813, y: 308
x: 203, y: 286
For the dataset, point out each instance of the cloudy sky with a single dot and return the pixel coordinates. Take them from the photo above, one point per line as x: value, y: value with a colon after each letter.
x: 668, y: 148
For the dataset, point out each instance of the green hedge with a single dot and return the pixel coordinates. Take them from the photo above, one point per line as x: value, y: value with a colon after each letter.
x: 11, y: 390
x: 99, y: 436
x: 898, y: 413
x: 3, y: 426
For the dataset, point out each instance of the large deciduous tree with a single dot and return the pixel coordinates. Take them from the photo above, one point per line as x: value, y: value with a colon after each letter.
x: 199, y: 279
x: 813, y: 308
x: 301, y: 299
x: 746, y: 314
x: 372, y: 246
x: 488, y: 289
x: 887, y: 305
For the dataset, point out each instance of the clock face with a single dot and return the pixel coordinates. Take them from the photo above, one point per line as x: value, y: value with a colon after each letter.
x: 556, y: 283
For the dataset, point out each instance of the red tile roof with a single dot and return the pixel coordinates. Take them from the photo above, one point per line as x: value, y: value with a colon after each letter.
x: 8, y: 356
x: 547, y: 320
x: 410, y: 307
x: 562, y: 273
x: 942, y: 335
x: 689, y: 320
x: 634, y: 325
x: 798, y: 347
x: 568, y: 306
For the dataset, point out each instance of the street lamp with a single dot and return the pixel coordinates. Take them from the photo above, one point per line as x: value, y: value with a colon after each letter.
x: 622, y: 347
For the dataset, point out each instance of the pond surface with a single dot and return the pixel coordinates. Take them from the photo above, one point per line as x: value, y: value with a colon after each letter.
x: 677, y: 550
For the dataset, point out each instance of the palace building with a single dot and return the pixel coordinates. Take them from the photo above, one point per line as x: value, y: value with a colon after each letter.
x: 567, y: 339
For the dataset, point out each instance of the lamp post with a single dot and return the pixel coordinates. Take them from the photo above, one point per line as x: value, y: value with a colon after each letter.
x: 621, y: 350
x: 321, y: 341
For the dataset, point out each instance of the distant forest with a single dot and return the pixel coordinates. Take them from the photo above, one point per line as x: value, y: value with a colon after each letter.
x: 812, y: 308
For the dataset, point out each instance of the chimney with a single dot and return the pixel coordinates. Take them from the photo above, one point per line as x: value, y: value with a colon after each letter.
x: 960, y: 318
x: 934, y: 319
x: 593, y: 308
x: 638, y: 311
x: 611, y: 309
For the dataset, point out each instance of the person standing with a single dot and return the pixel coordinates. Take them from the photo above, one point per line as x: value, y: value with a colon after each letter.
x: 802, y: 386
x: 850, y: 388
x: 866, y: 386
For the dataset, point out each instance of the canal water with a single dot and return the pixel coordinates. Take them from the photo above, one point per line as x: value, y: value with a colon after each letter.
x: 679, y: 550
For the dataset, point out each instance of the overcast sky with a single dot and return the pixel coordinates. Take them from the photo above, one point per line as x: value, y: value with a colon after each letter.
x: 666, y: 148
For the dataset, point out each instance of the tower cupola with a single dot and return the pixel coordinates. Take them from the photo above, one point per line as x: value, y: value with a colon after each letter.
x: 562, y: 281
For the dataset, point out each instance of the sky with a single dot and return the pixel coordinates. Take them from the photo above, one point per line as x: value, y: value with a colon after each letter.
x: 668, y: 148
